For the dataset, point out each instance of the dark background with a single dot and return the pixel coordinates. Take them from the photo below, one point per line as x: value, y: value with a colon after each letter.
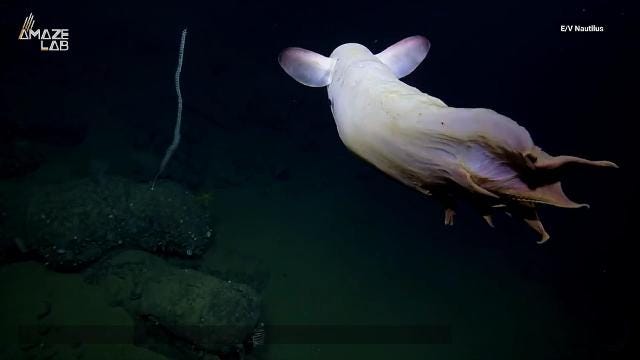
x: 574, y: 92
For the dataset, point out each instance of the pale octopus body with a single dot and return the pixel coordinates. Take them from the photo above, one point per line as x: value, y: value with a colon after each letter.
x: 418, y: 140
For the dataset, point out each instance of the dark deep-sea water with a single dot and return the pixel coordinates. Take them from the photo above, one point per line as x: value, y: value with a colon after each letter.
x: 261, y: 201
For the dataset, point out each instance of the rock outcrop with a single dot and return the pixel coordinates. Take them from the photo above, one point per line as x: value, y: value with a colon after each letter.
x: 73, y: 224
x: 195, y: 310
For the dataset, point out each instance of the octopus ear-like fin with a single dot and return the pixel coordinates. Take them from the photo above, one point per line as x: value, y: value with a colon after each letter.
x: 404, y: 56
x: 307, y: 67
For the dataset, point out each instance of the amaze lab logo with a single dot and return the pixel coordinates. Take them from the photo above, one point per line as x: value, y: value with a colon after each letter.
x: 50, y: 39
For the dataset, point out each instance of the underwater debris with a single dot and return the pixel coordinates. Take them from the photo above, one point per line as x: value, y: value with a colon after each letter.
x: 258, y: 336
x: 176, y: 132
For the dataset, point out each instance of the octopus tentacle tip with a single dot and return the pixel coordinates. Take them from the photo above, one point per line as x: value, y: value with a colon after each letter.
x: 604, y: 163
x: 554, y: 162
x: 544, y: 239
x: 448, y: 216
x: 574, y: 205
x: 489, y: 220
